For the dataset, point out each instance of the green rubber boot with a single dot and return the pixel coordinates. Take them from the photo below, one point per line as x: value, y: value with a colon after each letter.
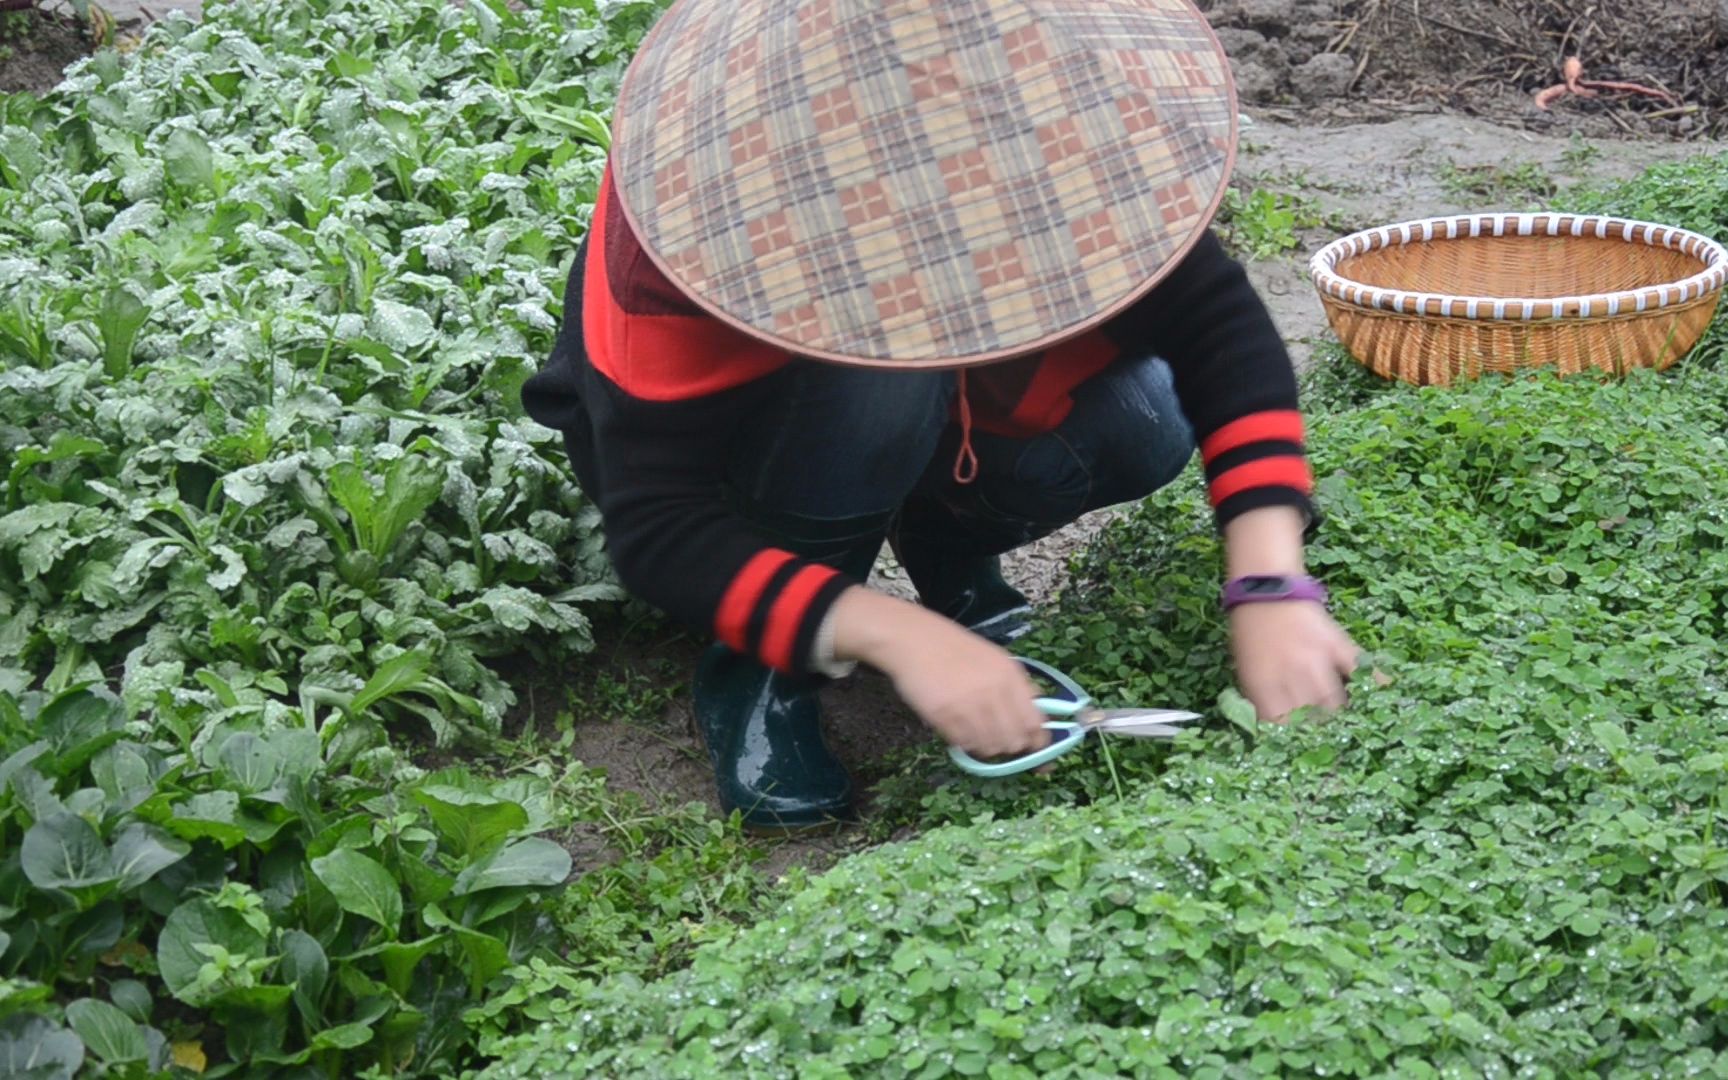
x: 956, y: 566
x: 763, y: 729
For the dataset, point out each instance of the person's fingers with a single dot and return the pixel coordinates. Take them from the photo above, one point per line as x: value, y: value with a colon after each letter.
x: 1347, y: 657
x: 1270, y: 704
x: 1027, y: 724
x: 1319, y: 682
x: 1325, y: 687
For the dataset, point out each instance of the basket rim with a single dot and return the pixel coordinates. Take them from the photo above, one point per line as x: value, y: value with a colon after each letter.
x: 1323, y: 267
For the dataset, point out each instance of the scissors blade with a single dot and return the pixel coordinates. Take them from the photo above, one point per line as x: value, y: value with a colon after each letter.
x: 1146, y: 723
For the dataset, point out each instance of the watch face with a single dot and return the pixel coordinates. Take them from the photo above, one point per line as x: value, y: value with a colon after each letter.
x: 1265, y: 586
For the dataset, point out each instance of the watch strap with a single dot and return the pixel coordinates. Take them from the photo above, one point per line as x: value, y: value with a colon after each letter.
x: 1271, y: 588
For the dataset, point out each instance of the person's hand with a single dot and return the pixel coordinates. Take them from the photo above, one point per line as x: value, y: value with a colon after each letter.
x: 1291, y: 655
x: 970, y: 691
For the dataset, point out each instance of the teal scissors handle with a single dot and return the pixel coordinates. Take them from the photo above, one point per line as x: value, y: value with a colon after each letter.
x: 1066, y: 734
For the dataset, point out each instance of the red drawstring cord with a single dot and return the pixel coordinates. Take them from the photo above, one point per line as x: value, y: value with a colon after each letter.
x: 966, y: 464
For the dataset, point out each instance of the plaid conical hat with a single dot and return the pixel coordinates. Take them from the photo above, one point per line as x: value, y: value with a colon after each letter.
x: 922, y: 182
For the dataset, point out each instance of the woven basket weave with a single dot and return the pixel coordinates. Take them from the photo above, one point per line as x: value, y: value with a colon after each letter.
x: 1432, y: 301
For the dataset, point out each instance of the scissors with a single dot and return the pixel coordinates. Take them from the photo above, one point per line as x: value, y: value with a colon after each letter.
x: 1074, y: 714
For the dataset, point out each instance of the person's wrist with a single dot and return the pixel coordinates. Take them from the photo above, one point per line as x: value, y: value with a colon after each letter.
x: 1267, y: 540
x: 873, y: 628
x: 1247, y: 591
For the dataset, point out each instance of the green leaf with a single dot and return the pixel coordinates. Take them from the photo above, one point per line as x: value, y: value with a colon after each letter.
x: 118, y: 320
x: 192, y: 924
x: 133, y: 998
x: 343, y: 1037
x: 531, y: 862
x: 210, y: 815
x: 123, y: 775
x: 401, y: 327
x: 399, y: 959
x: 1239, y: 711
x: 306, y: 968
x: 266, y: 1001
x: 142, y: 851
x: 349, y: 66
x: 79, y: 724
x: 487, y: 955
x: 362, y: 887
x: 23, y: 760
x: 401, y: 674
x: 66, y: 852
x: 250, y: 762
x: 32, y: 1048
x: 188, y: 160
x: 473, y: 823
x: 426, y: 883
x: 107, y: 1032
x: 411, y: 485
x: 1611, y: 736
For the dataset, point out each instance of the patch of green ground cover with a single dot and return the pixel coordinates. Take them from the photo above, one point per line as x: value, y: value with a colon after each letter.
x: 1505, y: 859
x: 271, y: 285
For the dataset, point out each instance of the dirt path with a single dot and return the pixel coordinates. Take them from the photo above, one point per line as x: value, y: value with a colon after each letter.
x: 139, y: 11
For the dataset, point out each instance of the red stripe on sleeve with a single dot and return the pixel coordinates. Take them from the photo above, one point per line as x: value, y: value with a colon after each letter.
x: 733, y: 617
x: 1279, y: 425
x: 787, y: 615
x: 1287, y: 471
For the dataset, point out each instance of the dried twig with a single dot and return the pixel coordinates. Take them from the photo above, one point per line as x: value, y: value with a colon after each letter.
x: 1361, y: 66
x: 1683, y: 110
x: 1497, y: 39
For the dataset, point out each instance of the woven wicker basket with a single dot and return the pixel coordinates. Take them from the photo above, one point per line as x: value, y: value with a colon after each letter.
x: 1447, y: 298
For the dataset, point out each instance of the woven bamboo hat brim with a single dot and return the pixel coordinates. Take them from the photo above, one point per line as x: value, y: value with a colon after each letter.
x: 939, y: 182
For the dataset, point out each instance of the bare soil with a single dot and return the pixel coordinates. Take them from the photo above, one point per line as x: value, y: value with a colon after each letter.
x: 35, y: 47
x: 1351, y: 60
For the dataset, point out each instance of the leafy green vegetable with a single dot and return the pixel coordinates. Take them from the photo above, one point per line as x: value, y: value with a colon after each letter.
x: 1505, y: 858
x: 107, y: 1032
x: 361, y: 886
x: 32, y: 1048
x: 65, y: 852
x: 272, y: 287
x: 269, y: 287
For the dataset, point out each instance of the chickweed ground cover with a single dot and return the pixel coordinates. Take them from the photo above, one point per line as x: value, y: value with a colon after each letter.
x: 1507, y: 858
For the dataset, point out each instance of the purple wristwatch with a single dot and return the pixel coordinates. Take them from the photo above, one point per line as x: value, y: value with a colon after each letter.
x: 1267, y: 588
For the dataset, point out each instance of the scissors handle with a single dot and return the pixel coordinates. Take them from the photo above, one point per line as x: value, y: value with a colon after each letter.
x: 1065, y: 735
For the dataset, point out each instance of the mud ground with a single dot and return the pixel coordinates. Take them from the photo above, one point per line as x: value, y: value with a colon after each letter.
x: 35, y: 48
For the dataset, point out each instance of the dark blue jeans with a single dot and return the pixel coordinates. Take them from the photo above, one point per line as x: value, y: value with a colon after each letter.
x: 849, y: 443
